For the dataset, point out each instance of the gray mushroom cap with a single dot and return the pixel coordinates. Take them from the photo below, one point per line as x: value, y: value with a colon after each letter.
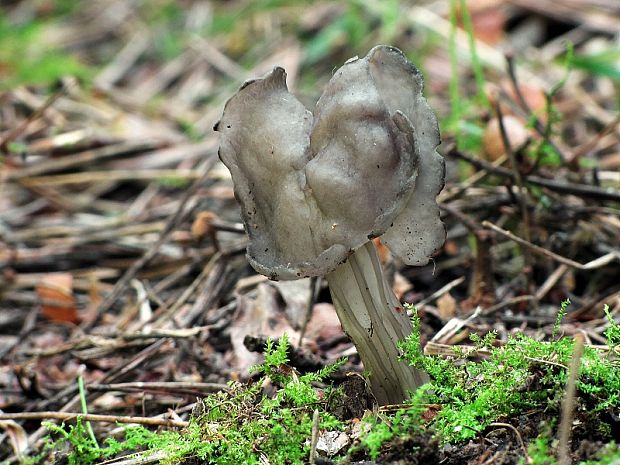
x: 314, y: 189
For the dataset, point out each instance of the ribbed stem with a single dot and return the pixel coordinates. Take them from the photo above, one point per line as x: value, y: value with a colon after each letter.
x: 375, y: 321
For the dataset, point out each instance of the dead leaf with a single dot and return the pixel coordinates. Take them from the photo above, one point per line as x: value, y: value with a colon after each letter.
x: 534, y: 97
x: 382, y: 251
x: 446, y: 306
x: 17, y: 436
x: 55, y: 290
x: 401, y: 285
x: 262, y: 316
x: 296, y: 296
x: 202, y: 227
x: 610, y: 162
x: 489, y: 24
x: 332, y: 442
x: 492, y: 141
x: 324, y: 323
x: 488, y: 19
x: 451, y: 248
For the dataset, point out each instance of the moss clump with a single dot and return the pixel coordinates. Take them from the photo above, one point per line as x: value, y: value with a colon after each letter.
x: 464, y: 396
x: 241, y: 425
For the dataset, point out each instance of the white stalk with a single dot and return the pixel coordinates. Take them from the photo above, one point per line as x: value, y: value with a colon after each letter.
x: 375, y: 320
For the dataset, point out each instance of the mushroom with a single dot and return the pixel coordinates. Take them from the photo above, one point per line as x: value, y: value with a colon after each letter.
x: 315, y: 190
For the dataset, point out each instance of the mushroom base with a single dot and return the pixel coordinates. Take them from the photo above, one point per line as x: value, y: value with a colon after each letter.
x: 375, y: 320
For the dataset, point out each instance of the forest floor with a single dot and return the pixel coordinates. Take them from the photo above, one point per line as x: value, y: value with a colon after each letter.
x: 125, y: 291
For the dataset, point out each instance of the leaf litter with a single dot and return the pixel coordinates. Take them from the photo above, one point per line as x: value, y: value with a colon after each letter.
x: 102, y: 273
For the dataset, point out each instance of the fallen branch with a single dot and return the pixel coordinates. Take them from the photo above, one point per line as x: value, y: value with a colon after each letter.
x: 582, y: 190
x: 596, y: 263
x: 66, y: 416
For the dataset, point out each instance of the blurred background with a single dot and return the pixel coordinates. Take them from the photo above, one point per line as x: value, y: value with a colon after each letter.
x: 178, y: 60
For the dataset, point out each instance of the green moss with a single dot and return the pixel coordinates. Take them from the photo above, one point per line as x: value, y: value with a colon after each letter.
x: 241, y: 425
x: 26, y: 58
x: 523, y: 375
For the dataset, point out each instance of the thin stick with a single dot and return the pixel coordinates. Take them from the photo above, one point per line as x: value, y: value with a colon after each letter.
x: 519, y: 438
x: 517, y: 174
x: 525, y: 215
x: 113, y: 375
x: 17, y: 130
x: 540, y: 128
x: 449, y: 194
x: 164, y: 317
x: 551, y: 281
x: 596, y: 263
x: 589, y: 145
x: 583, y: 190
x: 445, y: 289
x: 507, y: 303
x: 315, y: 435
x: 111, y: 175
x: 568, y: 403
x: 82, y: 159
x: 67, y: 416
x: 169, y: 386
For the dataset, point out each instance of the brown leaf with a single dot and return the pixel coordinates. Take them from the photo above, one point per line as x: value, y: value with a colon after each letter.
x: 382, y: 251
x: 55, y: 290
x: 401, y: 285
x: 492, y: 140
x: 17, y: 436
x: 488, y: 24
x: 201, y: 227
x: 534, y: 97
x: 446, y: 305
x: 296, y: 295
x: 262, y: 316
x: 451, y: 248
x: 610, y: 162
x: 324, y: 323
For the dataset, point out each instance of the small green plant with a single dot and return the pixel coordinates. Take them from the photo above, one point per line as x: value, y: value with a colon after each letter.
x: 89, y: 428
x: 603, y: 63
x: 558, y: 319
x: 542, y: 152
x: 84, y: 449
x: 475, y: 60
x: 173, y: 182
x: 612, y: 333
x: 540, y: 452
x: 243, y: 425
